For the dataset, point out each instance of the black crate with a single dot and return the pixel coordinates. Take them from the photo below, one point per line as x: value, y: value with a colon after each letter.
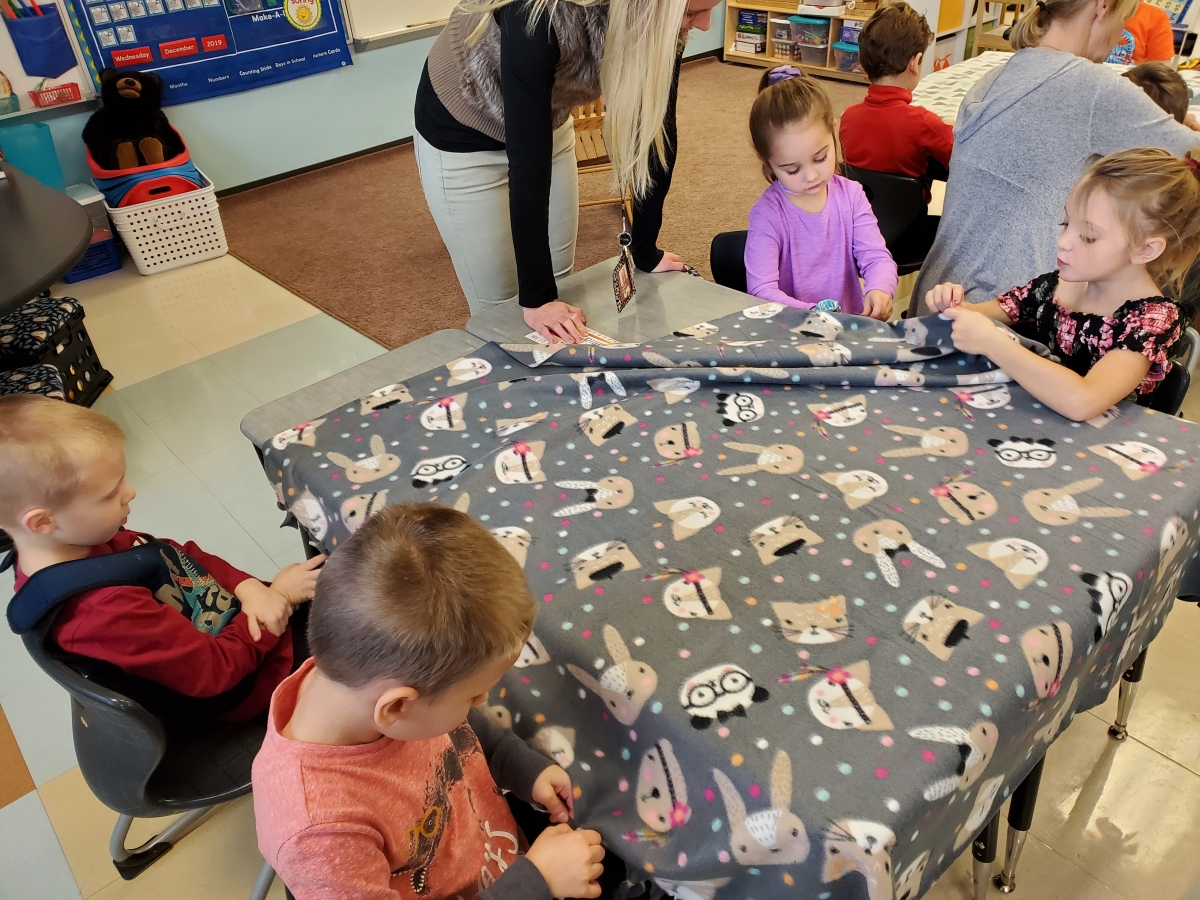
x: 70, y: 351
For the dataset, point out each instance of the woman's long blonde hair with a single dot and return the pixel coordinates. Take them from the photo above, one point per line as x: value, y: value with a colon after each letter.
x: 641, y: 46
x: 1029, y: 30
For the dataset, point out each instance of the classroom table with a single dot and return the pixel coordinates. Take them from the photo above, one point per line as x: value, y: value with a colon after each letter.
x: 793, y: 639
x: 943, y: 92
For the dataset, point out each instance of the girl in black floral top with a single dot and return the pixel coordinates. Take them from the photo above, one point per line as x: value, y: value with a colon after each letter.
x: 1132, y: 230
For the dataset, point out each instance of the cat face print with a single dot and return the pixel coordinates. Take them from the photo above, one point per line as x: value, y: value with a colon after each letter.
x: 445, y: 414
x: 386, y: 396
x: 858, y: 486
x: 1020, y: 560
x: 718, y: 693
x: 681, y: 441
x: 964, y: 502
x: 780, y: 537
x: 357, y: 509
x: 438, y: 470
x: 507, y: 427
x: 841, y: 413
x: 908, y: 882
x: 662, y: 800
x: 1135, y: 459
x: 820, y: 325
x: 521, y: 463
x: 823, y: 622
x: 689, y: 515
x: 556, y: 743
x: 311, y: 515
x: 983, y: 396
x: 939, y: 625
x: 697, y: 595
x: 468, y: 368
x: 739, y: 408
x: 604, y: 422
x: 1048, y: 650
x: 674, y: 389
x: 602, y: 562
x: 826, y: 353
x: 699, y: 330
x: 763, y: 310
x: 841, y: 699
x: 889, y: 377
x: 304, y: 434
x: 1025, y: 453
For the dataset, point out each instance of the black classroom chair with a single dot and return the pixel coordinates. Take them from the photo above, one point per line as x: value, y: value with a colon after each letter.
x: 904, y: 221
x: 727, y: 259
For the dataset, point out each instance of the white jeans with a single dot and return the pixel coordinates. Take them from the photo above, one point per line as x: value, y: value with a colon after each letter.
x: 468, y: 196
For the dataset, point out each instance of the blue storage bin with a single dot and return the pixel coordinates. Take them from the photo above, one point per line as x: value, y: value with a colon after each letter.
x: 30, y: 147
x: 100, y: 258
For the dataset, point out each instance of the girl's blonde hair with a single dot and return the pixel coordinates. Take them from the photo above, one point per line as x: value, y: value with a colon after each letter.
x: 1029, y: 30
x: 1155, y: 195
x: 641, y: 45
x: 784, y: 101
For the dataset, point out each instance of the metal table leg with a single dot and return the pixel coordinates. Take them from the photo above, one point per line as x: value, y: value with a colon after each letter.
x: 1020, y: 817
x: 1128, y: 691
x: 984, y: 851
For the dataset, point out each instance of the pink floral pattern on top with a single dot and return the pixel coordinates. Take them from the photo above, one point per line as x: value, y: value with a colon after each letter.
x: 1150, y: 326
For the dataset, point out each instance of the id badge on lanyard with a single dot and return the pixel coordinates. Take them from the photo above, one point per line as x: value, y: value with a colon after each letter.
x: 623, y: 287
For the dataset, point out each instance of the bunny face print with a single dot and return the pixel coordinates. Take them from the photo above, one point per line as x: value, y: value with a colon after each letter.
x: 853, y: 845
x: 842, y: 699
x: 739, y: 408
x: 613, y: 492
x: 940, y: 441
x: 445, y: 414
x: 820, y: 325
x: 1025, y: 453
x: 521, y: 463
x: 763, y: 310
x: 674, y: 389
x: 858, y: 486
x: 379, y: 464
x: 1057, y: 506
x: 1109, y: 591
x: 625, y: 685
x: 718, y: 693
x: 981, y: 812
x: 1173, y: 539
x: 533, y: 653
x: 439, y: 470
x: 680, y: 441
x: 466, y: 369
x: 1048, y: 650
x: 777, y: 459
x: 507, y: 427
x: 908, y: 882
x: 604, y: 422
x: 383, y: 398
x: 841, y: 413
x: 964, y: 502
x: 884, y: 539
x: 662, y: 800
x: 689, y: 515
x: 1020, y: 560
x: 697, y: 595
x: 780, y: 537
x: 357, y: 509
x: 823, y: 622
x: 939, y: 625
x: 774, y: 836
x: 602, y: 562
x: 304, y: 434
x: 1135, y: 459
x: 975, y: 747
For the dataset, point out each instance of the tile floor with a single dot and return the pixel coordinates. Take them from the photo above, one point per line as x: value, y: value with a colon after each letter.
x: 194, y: 350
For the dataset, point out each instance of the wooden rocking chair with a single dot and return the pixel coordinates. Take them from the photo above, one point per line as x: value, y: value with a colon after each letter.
x: 591, y: 155
x: 993, y: 38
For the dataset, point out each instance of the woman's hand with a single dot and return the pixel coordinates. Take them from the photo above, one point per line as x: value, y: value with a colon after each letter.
x: 878, y: 305
x: 972, y: 332
x: 671, y: 262
x: 557, y: 322
x: 944, y: 297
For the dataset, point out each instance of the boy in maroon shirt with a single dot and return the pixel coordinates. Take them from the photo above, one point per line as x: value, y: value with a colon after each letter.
x: 206, y: 630
x: 886, y: 133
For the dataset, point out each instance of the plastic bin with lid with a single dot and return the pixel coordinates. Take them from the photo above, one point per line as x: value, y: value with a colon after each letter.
x: 812, y: 56
x: 784, y: 50
x: 851, y: 29
x: 845, y: 57
x: 781, y: 29
x: 809, y: 31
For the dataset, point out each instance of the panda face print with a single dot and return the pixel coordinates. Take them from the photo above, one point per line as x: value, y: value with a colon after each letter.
x: 438, y: 470
x: 1025, y: 453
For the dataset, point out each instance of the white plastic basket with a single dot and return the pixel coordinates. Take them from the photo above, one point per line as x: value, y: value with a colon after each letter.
x: 176, y: 231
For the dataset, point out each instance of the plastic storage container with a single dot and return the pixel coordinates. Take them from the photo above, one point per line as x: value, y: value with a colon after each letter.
x: 812, y: 56
x: 177, y: 231
x: 100, y: 258
x: 785, y: 50
x: 810, y: 32
x: 781, y: 30
x: 845, y: 57
x: 851, y: 29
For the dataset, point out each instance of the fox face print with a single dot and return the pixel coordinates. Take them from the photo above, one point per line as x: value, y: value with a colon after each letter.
x: 853, y: 845
x: 841, y: 413
x: 697, y: 595
x: 521, y: 463
x: 445, y: 414
x: 680, y: 441
x: 1135, y: 459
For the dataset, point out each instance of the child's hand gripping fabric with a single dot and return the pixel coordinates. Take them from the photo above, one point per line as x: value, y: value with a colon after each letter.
x: 878, y: 305
x: 553, y: 791
x: 570, y: 860
x: 973, y: 332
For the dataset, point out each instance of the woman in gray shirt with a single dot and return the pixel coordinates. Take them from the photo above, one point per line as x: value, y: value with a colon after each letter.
x: 1025, y: 134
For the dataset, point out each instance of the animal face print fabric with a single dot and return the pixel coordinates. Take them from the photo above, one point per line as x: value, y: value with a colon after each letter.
x: 801, y: 629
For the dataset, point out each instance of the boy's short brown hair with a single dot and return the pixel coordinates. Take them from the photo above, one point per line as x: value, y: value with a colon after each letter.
x: 1163, y: 85
x: 421, y: 593
x: 45, y: 448
x: 893, y: 35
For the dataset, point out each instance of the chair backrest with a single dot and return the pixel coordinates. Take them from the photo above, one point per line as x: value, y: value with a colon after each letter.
x: 589, y: 116
x: 1168, y: 396
x: 727, y: 259
x: 897, y: 200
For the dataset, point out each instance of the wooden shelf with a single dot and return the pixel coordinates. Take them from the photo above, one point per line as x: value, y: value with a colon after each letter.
x: 769, y: 62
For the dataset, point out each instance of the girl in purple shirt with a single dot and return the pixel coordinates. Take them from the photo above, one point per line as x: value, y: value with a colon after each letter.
x: 811, y: 232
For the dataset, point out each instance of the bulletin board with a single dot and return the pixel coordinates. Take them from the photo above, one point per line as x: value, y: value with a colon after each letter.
x: 207, y: 48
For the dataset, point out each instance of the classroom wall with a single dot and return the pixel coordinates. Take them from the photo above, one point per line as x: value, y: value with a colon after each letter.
x: 246, y: 137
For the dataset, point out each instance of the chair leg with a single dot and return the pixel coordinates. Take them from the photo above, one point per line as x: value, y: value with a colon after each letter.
x: 984, y: 851
x: 1020, y: 817
x: 266, y: 877
x: 1128, y: 691
x: 131, y: 863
